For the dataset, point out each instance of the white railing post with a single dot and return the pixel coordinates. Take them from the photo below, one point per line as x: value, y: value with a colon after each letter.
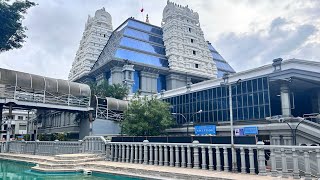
x: 251, y: 161
x: 136, y: 158
x: 127, y: 153
x: 261, y: 159
x: 203, y: 157
x: 195, y: 155
x: 183, y: 157
x: 243, y: 160
x: 225, y: 159
x: 295, y: 164
x: 171, y: 156
x: 284, y: 164
x: 177, y: 163
x: 210, y: 158
x: 218, y: 159
x: 123, y: 156
x: 132, y: 154
x: 112, y: 152
x: 307, y: 165
x: 156, y: 155
x: 140, y: 153
x: 116, y: 153
x: 274, y: 171
x: 189, y: 164
x: 145, y: 154
x: 166, y: 163
x: 151, y: 154
x: 160, y: 155
x: 108, y: 150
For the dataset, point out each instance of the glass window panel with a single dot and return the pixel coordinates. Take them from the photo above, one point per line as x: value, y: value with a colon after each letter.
x: 141, y: 57
x: 255, y: 99
x: 239, y: 101
x: 210, y: 105
x: 224, y: 91
x: 215, y: 104
x: 219, y: 104
x: 266, y: 97
x: 250, y: 103
x: 214, y: 93
x: 235, y: 114
x: 220, y: 73
x: 215, y: 115
x: 205, y: 95
x: 217, y: 56
x: 206, y: 106
x: 260, y: 84
x: 255, y: 85
x: 220, y: 115
x: 245, y: 100
x: 219, y: 92
x: 249, y: 86
x: 224, y: 115
x: 234, y: 102
x: 250, y: 113
x: 234, y: 89
x: 256, y: 112
x: 240, y: 114
x: 161, y: 83
x: 136, y: 84
x: 211, y: 116
x: 260, y: 94
x: 144, y: 27
x: 206, y: 119
x: 244, y: 87
x: 143, y: 46
x: 239, y: 88
x: 245, y: 113
x: 267, y: 111
x: 143, y: 36
x: 265, y: 83
x: 261, y: 110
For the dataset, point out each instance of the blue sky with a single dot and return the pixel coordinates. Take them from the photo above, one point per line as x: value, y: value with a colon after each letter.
x: 247, y: 33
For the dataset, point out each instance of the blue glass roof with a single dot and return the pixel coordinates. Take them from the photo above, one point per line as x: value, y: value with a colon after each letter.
x: 222, y: 65
x: 137, y: 42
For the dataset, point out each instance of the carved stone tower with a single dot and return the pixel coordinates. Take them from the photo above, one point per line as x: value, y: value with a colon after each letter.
x: 186, y: 49
x: 95, y: 36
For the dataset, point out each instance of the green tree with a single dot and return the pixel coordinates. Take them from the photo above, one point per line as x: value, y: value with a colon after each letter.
x: 12, y: 33
x: 117, y: 91
x: 147, y: 117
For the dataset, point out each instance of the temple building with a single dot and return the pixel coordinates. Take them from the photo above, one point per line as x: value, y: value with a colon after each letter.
x: 96, y: 34
x: 150, y: 59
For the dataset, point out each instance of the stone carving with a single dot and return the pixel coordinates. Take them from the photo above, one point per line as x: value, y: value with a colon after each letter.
x: 95, y: 36
x: 184, y: 38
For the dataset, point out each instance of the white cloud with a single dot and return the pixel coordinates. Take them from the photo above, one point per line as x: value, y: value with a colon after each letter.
x: 241, y: 30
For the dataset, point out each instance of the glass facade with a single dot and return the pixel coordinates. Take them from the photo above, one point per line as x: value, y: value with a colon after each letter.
x: 161, y: 83
x: 143, y: 36
x: 141, y: 57
x: 142, y: 46
x: 145, y: 27
x: 250, y: 101
x: 136, y: 84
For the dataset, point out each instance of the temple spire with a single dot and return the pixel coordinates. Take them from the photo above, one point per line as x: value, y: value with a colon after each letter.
x: 147, y: 19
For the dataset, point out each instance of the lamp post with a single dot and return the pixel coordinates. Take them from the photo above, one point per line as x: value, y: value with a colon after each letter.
x: 294, y: 131
x: 186, y: 118
x: 226, y: 83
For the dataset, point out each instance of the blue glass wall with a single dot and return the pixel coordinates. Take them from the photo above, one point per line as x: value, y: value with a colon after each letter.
x: 136, y: 85
x: 250, y: 101
x: 161, y: 83
x: 142, y: 46
x: 145, y: 27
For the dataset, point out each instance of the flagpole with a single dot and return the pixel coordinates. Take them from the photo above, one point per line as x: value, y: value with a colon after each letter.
x: 142, y: 10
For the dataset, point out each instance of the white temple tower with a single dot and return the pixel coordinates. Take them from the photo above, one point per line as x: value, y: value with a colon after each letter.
x: 186, y: 49
x: 95, y: 36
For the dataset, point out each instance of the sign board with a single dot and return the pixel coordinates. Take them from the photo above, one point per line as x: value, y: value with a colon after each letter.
x: 238, y: 132
x: 250, y: 130
x: 205, y: 130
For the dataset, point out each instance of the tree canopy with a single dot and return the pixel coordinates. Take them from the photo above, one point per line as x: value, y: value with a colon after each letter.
x: 147, y: 117
x: 12, y: 33
x: 117, y: 91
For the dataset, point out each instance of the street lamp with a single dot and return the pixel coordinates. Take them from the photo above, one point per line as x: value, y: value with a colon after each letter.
x: 186, y: 118
x: 226, y: 83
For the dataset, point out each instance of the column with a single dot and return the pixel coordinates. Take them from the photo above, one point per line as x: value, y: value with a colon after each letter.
x: 140, y: 153
x: 210, y: 158
x: 127, y: 153
x: 183, y: 157
x: 156, y: 155
x: 261, y: 159
x: 274, y: 171
x: 307, y: 165
x: 171, y: 156
x: 225, y: 159
x: 151, y: 155
x: 204, y: 157
x: 177, y: 163
x: 160, y: 155
x: 251, y: 161
x: 318, y: 162
x: 295, y: 164
x: 148, y: 82
x: 218, y: 159
x: 132, y: 154
x: 123, y: 153
x: 166, y: 163
x: 196, y: 156
x: 116, y: 75
x: 136, y: 158
x: 116, y: 153
x: 112, y: 152
x: 145, y: 152
x: 243, y: 160
x: 285, y: 100
x: 284, y: 163
x: 189, y: 164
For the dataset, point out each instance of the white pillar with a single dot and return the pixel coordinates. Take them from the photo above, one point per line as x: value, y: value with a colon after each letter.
x: 285, y: 100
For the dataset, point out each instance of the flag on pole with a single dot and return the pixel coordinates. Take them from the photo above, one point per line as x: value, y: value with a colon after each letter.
x: 141, y: 10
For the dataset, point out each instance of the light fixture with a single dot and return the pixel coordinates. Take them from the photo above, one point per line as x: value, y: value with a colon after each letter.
x: 188, y: 86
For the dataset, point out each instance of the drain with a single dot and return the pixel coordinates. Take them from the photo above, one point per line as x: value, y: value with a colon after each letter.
x: 87, y: 172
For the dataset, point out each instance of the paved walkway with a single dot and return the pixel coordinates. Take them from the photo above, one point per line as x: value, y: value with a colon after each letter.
x: 158, y: 172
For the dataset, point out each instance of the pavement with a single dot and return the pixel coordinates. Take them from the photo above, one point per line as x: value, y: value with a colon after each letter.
x: 141, y: 170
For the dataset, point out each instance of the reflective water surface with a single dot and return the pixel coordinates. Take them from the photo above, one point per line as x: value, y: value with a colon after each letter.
x: 21, y: 170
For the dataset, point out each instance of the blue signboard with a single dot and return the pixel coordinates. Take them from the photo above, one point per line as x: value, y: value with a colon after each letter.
x: 251, y: 130
x: 205, y: 130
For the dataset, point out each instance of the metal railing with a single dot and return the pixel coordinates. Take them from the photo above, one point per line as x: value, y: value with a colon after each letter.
x: 42, y: 96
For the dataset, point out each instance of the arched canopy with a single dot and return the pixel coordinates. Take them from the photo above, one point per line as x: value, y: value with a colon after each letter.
x: 117, y: 104
x: 40, y: 83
